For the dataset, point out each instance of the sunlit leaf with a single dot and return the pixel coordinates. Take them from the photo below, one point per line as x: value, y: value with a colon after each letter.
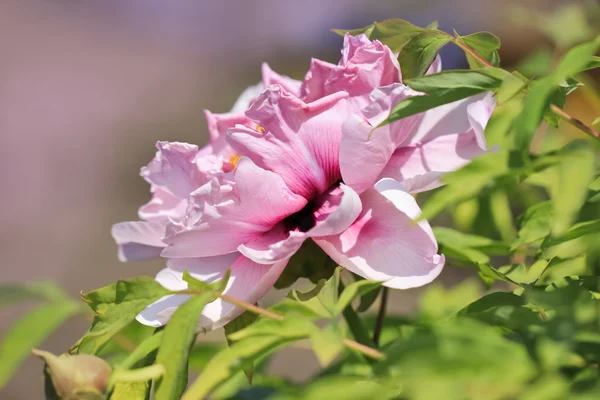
x: 486, y: 45
x: 535, y: 224
x: 418, y: 54
x: 115, y: 307
x: 176, y: 344
x: 327, y: 343
x: 394, y: 33
x: 354, y: 290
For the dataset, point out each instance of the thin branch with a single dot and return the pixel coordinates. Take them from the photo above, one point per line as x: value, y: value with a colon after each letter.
x: 252, y: 308
x: 380, y: 316
x: 366, y: 350
x: 555, y: 109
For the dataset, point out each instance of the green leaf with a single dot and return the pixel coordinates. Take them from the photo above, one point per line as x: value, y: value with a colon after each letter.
x: 322, y: 298
x: 418, y: 54
x: 443, y: 88
x: 492, y: 300
x: 576, y: 231
x: 433, y: 25
x: 130, y: 391
x: 327, y: 343
x: 30, y: 331
x: 142, y: 350
x: 486, y: 45
x: 223, y: 366
x: 439, y: 303
x: 535, y: 224
x: 502, y: 215
x: 538, y: 99
x: 358, y: 288
x: 394, y: 33
x: 178, y: 338
x: 137, y: 375
x: 246, y: 319
x: 593, y: 64
x: 595, y: 185
x: 11, y: 293
x: 115, y: 307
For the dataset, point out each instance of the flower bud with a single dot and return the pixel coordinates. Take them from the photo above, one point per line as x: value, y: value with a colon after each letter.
x: 76, y: 377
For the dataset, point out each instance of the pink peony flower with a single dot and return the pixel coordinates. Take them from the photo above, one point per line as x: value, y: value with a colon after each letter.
x: 298, y: 165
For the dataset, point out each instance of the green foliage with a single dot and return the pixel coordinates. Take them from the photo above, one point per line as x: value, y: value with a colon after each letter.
x: 33, y: 328
x: 418, y: 54
x: 116, y: 306
x: 486, y: 45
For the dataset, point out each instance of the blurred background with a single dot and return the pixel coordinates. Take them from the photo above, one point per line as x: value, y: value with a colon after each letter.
x: 88, y: 87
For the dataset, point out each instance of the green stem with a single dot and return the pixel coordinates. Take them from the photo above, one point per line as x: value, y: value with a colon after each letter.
x: 380, y: 316
x: 356, y: 325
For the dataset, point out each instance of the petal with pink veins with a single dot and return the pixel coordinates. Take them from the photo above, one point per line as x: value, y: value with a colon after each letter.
x: 139, y: 240
x: 248, y: 282
x: 299, y: 141
x: 333, y: 212
x: 385, y: 243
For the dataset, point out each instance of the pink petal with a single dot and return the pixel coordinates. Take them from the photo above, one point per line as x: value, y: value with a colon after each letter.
x: 364, y: 150
x: 248, y: 282
x: 139, y: 240
x: 301, y: 142
x: 163, y: 206
x: 271, y: 77
x: 435, y: 67
x: 385, y: 243
x: 247, y: 97
x: 334, y: 212
x: 313, y: 86
x: 174, y: 169
x: 452, y: 118
x: 418, y: 167
x: 257, y: 202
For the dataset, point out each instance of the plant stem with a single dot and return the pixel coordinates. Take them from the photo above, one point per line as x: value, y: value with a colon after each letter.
x: 555, y: 109
x: 380, y: 316
x: 361, y: 346
x: 356, y: 325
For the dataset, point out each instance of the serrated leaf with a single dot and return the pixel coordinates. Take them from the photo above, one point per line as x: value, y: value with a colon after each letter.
x: 486, y: 45
x: 353, y: 290
x: 29, y: 332
x: 178, y: 338
x: 418, y: 54
x: 116, y: 306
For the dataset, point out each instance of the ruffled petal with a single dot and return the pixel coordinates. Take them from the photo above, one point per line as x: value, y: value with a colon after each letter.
x: 139, y: 240
x: 257, y: 201
x: 271, y: 77
x: 385, y: 243
x: 163, y: 206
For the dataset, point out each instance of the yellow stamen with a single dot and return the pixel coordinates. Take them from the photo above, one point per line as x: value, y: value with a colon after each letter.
x: 260, y: 129
x: 234, y: 160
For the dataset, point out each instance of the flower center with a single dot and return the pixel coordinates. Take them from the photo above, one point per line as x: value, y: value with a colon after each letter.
x: 303, y: 220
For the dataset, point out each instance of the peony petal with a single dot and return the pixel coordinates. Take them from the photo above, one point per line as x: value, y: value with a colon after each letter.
x: 271, y: 77
x: 247, y: 97
x: 263, y: 200
x: 248, y: 282
x: 139, y: 240
x: 301, y: 142
x: 385, y: 243
x: 449, y: 119
x: 364, y: 150
x: 163, y: 206
x: 313, y: 85
x: 418, y: 167
x: 174, y: 169
x: 335, y: 211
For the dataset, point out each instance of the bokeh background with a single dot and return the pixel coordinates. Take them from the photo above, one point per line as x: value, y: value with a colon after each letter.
x: 88, y: 87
